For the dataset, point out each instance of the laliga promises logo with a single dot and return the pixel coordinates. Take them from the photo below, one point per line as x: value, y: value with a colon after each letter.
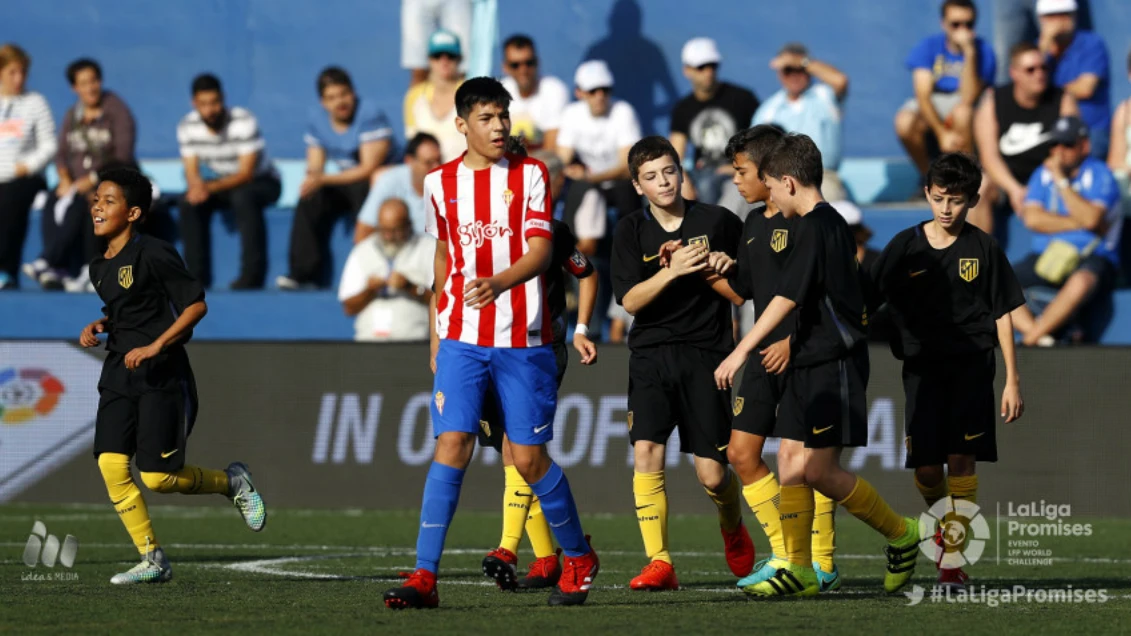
x: 479, y: 232
x: 27, y: 393
x: 957, y: 531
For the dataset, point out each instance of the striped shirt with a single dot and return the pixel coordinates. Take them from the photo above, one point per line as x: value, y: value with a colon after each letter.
x: 486, y: 217
x: 219, y: 152
x: 27, y: 134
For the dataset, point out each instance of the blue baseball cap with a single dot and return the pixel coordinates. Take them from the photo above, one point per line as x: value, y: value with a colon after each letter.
x: 1069, y: 130
x: 444, y: 41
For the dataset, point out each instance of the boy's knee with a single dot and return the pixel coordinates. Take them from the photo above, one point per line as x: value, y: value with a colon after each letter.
x: 929, y: 476
x: 158, y: 482
x: 113, y: 465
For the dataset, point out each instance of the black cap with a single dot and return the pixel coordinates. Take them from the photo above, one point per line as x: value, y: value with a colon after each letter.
x: 1069, y: 130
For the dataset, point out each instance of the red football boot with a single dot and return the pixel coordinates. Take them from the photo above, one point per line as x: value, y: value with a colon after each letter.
x: 418, y: 592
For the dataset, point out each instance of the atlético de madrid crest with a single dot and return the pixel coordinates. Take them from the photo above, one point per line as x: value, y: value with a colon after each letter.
x: 126, y: 276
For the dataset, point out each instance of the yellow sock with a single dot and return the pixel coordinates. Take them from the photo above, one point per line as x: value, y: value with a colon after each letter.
x: 516, y: 506
x: 867, y: 505
x: 964, y: 488
x: 762, y: 497
x: 538, y: 530
x: 727, y: 500
x: 127, y: 499
x: 796, y: 509
x: 931, y: 494
x: 652, y: 513
x: 824, y: 531
x: 190, y: 480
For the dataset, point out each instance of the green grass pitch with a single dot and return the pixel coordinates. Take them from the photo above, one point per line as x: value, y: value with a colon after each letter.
x: 323, y: 571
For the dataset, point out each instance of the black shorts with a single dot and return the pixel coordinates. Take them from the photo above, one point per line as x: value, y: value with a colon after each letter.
x: 149, y: 412
x: 950, y: 408
x: 491, y: 418
x: 756, y: 405
x: 826, y: 404
x: 673, y: 386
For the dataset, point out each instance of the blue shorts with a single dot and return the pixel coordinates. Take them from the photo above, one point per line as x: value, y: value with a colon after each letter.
x: 523, y: 381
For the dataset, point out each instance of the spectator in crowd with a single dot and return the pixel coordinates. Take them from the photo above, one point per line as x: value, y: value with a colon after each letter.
x: 1079, y: 65
x: 948, y: 72
x: 538, y: 100
x: 27, y: 144
x: 355, y: 138
x: 430, y: 106
x: 593, y: 141
x: 387, y: 279
x: 98, y: 129
x: 596, y: 134
x: 1072, y: 206
x: 226, y: 167
x: 404, y: 182
x: 1011, y: 128
x: 810, y: 107
x: 708, y: 118
x: 420, y: 19
x: 1015, y: 21
x: 1119, y: 155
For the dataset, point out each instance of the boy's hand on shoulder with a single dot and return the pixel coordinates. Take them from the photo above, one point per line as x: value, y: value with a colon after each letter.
x: 89, y: 335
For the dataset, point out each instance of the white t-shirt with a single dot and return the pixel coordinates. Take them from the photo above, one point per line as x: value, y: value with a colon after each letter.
x: 392, y: 315
x: 598, y: 140
x: 532, y: 117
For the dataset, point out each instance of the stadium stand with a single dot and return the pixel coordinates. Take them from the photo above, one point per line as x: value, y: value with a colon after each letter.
x: 266, y: 71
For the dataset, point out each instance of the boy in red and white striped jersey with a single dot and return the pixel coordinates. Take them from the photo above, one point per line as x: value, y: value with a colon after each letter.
x: 490, y: 214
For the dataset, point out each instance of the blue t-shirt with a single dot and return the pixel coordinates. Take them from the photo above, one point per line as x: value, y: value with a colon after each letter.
x: 343, y: 149
x: 815, y: 113
x: 1095, y: 182
x: 946, y: 67
x: 1087, y: 54
x: 394, y: 183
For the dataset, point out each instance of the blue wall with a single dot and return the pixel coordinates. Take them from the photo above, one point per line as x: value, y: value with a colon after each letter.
x: 268, y: 51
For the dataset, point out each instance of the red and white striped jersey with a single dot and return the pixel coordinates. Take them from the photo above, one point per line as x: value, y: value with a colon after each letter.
x: 486, y: 217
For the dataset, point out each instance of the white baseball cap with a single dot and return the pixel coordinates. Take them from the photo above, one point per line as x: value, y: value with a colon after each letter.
x: 700, y: 51
x: 592, y: 75
x: 852, y: 214
x: 1047, y: 7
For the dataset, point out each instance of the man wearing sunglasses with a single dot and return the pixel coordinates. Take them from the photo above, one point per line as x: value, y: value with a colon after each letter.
x: 810, y: 108
x: 1012, y: 129
x: 537, y: 100
x: 1072, y: 207
x: 430, y: 106
x: 707, y: 118
x: 948, y: 72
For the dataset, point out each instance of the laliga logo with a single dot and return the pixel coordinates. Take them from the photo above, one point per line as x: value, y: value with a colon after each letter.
x: 957, y: 531
x: 27, y: 393
x: 479, y: 232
